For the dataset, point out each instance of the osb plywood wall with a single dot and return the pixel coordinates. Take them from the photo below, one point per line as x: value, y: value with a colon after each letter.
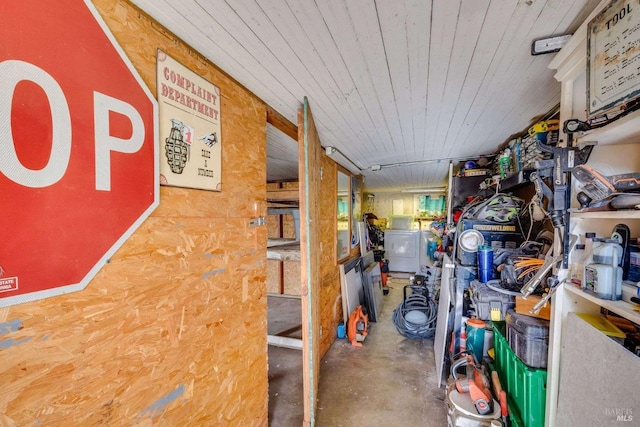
x: 274, y: 277
x: 173, y: 330
x: 281, y: 226
x: 330, y: 292
x: 288, y: 225
x: 283, y: 277
x: 291, y: 279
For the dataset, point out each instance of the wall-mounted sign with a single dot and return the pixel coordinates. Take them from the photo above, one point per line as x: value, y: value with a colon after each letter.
x: 78, y: 162
x: 190, y: 137
x: 613, y: 58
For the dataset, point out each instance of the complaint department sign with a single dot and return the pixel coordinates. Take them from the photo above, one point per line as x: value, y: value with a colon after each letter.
x: 190, y: 131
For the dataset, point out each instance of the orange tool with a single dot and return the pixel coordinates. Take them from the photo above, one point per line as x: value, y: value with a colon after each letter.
x: 477, y: 386
x: 358, y: 323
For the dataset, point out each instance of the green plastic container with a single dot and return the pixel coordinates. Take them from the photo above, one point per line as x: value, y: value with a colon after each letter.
x: 515, y: 421
x: 526, y: 387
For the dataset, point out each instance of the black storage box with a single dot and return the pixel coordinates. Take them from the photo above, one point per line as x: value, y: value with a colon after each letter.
x: 528, y: 337
x: 490, y: 304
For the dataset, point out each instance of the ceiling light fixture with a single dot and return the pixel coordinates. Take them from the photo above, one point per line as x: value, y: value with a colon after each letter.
x: 425, y: 190
x: 329, y: 150
x: 549, y: 44
x: 420, y: 162
x: 338, y: 155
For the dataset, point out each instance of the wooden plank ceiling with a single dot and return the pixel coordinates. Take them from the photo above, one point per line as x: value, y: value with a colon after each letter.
x: 390, y: 81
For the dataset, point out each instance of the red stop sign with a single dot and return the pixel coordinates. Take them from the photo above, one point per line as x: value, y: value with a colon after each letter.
x: 78, y: 158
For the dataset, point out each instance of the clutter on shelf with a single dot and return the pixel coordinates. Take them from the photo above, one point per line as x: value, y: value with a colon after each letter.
x: 502, y: 252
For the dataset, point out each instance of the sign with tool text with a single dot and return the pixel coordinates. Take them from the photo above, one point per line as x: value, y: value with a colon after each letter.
x: 78, y: 151
x: 190, y: 137
x: 613, y: 59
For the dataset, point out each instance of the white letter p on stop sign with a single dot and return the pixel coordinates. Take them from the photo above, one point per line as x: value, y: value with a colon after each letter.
x: 105, y: 143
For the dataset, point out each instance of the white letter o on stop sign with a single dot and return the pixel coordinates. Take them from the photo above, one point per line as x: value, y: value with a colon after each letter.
x: 13, y: 72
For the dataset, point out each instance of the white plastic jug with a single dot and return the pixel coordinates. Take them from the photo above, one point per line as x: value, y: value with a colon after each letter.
x: 605, y: 273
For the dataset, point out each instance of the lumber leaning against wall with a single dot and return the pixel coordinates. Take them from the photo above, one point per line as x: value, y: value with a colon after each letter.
x: 172, y: 330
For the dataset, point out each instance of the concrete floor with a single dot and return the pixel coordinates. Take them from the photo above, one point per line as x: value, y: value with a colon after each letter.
x: 285, y: 365
x: 389, y: 381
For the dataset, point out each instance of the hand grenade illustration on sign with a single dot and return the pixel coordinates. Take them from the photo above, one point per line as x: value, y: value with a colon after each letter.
x: 176, y: 150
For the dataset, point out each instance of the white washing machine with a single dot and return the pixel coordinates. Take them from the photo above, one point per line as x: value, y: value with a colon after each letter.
x: 402, y: 249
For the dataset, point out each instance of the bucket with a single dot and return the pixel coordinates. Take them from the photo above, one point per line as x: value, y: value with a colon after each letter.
x: 475, y: 338
x: 462, y: 412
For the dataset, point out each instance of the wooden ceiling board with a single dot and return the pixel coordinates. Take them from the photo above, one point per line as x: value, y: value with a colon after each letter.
x: 367, y: 27
x: 196, y: 28
x: 412, y: 175
x: 496, y: 78
x: 282, y: 59
x: 300, y: 42
x: 405, y: 39
x: 444, y: 16
x: 338, y: 20
x: 418, y: 30
x: 244, y: 42
x: 390, y: 82
x: 502, y: 94
x: 484, y: 56
x: 470, y: 19
x: 322, y: 81
x: 323, y: 44
x: 281, y: 150
x: 555, y: 19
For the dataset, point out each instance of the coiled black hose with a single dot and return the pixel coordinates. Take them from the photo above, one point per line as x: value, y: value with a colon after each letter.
x: 409, y: 329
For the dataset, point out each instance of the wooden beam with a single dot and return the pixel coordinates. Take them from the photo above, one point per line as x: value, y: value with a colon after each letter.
x: 281, y: 123
x: 281, y: 287
x: 283, y: 195
x: 286, y: 204
x: 294, y: 343
x: 281, y: 264
x: 286, y: 252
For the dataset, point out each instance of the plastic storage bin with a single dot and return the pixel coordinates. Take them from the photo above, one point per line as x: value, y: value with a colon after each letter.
x: 528, y: 337
x: 526, y: 387
x: 400, y: 222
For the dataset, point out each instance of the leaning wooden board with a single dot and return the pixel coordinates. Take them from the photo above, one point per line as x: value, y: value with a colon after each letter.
x: 352, y: 290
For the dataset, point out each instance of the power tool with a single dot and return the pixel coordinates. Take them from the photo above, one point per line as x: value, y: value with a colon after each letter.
x: 357, y: 326
x: 596, y: 186
x: 476, y: 384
